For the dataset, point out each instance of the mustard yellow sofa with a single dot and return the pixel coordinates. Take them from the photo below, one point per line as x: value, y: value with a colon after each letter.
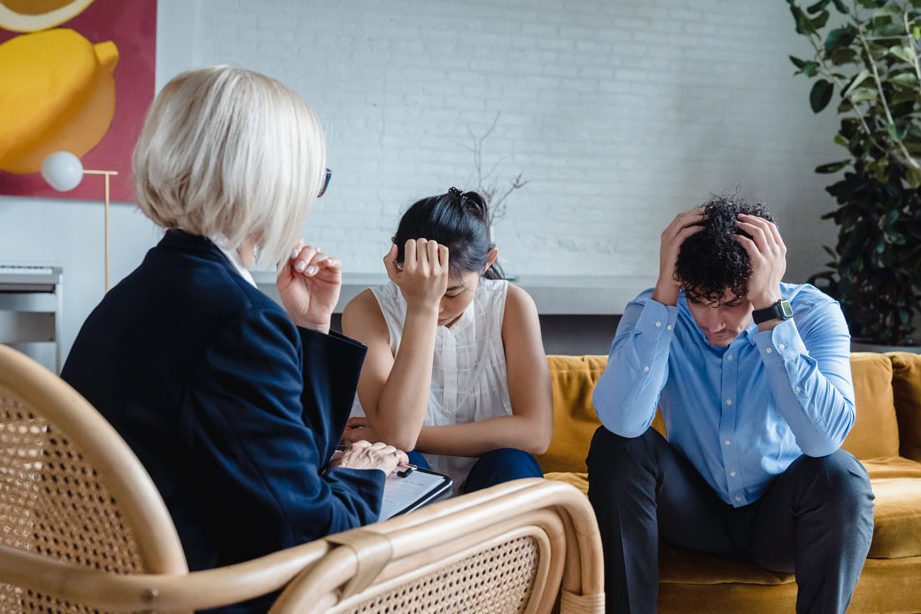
x: 887, y: 440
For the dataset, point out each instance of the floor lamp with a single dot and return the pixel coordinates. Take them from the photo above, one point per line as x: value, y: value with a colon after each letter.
x: 63, y: 171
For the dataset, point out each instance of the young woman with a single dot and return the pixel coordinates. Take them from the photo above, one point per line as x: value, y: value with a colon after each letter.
x: 455, y: 367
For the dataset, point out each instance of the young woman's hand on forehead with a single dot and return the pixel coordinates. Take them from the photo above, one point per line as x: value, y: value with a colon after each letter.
x: 423, y: 274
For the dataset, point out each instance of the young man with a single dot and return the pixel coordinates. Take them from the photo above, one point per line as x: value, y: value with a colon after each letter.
x: 753, y: 378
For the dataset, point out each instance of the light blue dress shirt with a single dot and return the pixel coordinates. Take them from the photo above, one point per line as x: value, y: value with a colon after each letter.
x: 740, y: 414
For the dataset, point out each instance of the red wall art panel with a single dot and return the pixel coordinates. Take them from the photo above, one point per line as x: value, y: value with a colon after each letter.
x: 75, y: 76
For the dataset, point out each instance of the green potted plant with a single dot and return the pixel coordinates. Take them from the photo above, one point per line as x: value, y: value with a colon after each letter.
x: 866, y: 58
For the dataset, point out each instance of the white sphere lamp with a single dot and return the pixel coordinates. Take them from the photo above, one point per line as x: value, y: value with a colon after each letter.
x: 64, y: 171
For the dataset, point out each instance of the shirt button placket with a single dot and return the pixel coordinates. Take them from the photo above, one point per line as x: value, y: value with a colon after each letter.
x: 730, y: 395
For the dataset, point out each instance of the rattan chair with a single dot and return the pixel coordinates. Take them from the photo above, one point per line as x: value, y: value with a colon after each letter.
x: 525, y: 546
x: 82, y: 527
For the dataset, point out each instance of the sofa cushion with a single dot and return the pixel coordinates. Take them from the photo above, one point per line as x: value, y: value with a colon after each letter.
x: 896, y: 518
x: 876, y: 431
x: 687, y: 566
x: 579, y: 479
x: 574, y: 418
x: 896, y: 483
x: 893, y: 467
x: 906, y: 385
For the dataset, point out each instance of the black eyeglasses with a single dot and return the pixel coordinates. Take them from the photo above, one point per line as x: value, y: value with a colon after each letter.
x: 326, y: 178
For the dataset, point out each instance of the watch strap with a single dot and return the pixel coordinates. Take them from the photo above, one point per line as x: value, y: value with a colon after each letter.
x: 781, y: 310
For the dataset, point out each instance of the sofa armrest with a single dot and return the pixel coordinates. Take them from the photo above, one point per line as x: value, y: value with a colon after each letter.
x: 906, y: 385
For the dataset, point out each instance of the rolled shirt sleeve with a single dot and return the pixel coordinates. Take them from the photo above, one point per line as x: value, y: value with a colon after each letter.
x: 809, y: 376
x: 627, y: 393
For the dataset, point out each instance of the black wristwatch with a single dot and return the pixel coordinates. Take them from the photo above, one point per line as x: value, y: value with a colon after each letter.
x: 781, y: 310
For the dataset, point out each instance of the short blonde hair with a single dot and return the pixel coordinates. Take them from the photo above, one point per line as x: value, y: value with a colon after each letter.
x: 233, y: 155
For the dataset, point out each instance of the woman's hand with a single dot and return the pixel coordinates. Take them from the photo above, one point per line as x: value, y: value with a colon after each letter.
x: 365, y: 455
x: 423, y: 277
x: 309, y: 284
x: 359, y: 428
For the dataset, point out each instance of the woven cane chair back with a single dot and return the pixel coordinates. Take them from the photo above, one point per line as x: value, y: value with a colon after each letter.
x: 70, y: 489
x: 506, y: 555
x: 506, y: 575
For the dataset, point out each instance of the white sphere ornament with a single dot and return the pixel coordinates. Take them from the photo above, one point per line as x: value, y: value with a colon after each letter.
x: 62, y: 170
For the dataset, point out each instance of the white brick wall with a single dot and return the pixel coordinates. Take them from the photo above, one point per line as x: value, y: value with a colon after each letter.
x: 619, y: 113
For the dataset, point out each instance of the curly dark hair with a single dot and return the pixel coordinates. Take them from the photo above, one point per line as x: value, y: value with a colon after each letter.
x: 712, y: 260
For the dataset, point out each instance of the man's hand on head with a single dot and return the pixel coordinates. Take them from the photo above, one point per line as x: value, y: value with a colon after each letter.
x: 768, y: 256
x: 683, y: 226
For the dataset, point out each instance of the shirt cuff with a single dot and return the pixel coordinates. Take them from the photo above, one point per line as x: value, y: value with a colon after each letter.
x: 310, y: 337
x: 337, y: 349
x: 341, y: 337
x: 656, y: 318
x: 780, y: 344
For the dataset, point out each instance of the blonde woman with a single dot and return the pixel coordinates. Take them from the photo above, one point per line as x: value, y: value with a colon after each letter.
x: 234, y: 404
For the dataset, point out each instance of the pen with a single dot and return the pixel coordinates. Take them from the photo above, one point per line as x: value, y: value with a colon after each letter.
x: 408, y: 469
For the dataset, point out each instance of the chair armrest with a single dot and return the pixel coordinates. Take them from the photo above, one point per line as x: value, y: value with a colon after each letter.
x: 161, y: 592
x: 396, y: 538
x: 394, y: 558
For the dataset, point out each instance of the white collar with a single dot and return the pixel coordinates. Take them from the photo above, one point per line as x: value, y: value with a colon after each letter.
x: 234, y: 258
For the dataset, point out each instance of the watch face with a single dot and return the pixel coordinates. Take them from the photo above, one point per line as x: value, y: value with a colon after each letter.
x: 786, y: 308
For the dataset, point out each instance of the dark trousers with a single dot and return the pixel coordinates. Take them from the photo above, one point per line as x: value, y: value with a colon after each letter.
x: 815, y: 520
x: 494, y: 467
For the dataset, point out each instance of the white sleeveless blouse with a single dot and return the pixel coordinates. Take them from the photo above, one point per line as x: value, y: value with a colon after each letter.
x: 469, y: 377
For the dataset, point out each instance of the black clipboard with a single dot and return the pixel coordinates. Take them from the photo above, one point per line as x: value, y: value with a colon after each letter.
x: 408, y: 490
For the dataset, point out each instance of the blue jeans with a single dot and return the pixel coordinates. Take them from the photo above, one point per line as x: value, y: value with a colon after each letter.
x: 494, y: 467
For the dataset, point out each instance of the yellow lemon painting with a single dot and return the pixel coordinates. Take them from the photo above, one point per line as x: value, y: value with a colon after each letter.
x: 54, y: 110
x: 63, y: 83
x: 34, y: 15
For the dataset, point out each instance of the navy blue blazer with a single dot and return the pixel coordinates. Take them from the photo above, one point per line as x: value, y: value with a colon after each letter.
x: 233, y: 410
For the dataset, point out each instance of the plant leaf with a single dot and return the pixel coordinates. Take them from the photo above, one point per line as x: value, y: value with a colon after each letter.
x: 904, y: 79
x: 913, y: 177
x: 893, y: 132
x: 863, y: 94
x: 818, y: 6
x: 832, y: 167
x: 839, y: 37
x: 843, y: 55
x: 891, y: 218
x: 862, y: 76
x: 803, y: 23
x: 820, y: 21
x: 820, y: 95
x: 888, y: 9
x: 903, y: 53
